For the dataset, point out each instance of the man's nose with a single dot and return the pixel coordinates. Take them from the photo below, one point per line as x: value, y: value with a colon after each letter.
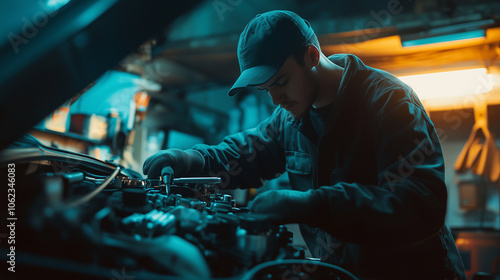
x: 277, y: 96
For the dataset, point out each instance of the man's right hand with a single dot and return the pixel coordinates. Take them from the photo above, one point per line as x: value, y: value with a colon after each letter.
x: 182, y: 163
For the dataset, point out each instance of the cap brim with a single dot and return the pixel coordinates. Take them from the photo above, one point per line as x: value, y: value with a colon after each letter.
x: 253, y: 76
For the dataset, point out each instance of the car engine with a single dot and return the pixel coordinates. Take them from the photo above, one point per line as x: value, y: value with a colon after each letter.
x: 83, y: 218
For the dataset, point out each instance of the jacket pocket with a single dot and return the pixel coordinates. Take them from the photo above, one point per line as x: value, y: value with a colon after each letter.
x: 298, y: 163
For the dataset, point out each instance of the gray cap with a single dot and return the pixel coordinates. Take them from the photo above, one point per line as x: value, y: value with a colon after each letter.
x: 264, y: 45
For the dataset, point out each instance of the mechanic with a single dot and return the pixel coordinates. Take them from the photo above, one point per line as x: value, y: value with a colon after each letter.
x: 363, y: 158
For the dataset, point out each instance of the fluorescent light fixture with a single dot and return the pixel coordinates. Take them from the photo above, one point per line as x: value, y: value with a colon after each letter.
x: 450, y: 84
x: 445, y: 38
x: 448, y: 33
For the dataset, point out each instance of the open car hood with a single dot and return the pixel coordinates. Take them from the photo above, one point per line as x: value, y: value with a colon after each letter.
x: 50, y: 55
x: 28, y: 149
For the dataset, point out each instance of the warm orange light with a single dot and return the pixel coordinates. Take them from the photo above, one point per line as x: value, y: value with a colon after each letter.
x: 450, y: 84
x: 461, y: 241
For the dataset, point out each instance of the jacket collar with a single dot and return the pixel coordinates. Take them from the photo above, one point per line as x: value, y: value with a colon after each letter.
x: 354, y: 70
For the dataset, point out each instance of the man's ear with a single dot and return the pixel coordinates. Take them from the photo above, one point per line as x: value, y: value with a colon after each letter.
x: 312, y: 56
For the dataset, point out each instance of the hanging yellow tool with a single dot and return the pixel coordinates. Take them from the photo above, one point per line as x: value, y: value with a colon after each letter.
x: 480, y: 154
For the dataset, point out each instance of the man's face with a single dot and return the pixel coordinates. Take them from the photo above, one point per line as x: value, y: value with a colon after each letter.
x: 293, y: 87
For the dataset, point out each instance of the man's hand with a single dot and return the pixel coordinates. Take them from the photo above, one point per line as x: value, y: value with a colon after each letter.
x: 182, y: 162
x: 285, y: 206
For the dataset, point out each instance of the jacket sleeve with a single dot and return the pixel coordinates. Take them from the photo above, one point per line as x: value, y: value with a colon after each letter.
x: 246, y: 159
x: 408, y: 204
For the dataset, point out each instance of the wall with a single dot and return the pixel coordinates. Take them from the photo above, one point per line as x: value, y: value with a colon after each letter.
x: 455, y: 128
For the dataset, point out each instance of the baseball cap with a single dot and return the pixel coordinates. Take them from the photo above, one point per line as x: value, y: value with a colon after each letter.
x: 265, y: 43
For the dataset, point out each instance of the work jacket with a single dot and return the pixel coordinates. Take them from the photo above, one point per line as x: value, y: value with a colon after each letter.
x: 377, y: 173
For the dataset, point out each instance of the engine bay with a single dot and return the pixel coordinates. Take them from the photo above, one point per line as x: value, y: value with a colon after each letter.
x: 83, y: 218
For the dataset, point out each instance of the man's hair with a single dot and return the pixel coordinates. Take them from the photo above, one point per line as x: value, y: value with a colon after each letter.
x: 298, y: 54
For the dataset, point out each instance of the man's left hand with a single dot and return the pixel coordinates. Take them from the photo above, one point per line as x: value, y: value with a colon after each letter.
x: 284, y: 206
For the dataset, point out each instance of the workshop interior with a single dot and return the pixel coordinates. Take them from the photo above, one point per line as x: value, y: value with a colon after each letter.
x: 90, y: 89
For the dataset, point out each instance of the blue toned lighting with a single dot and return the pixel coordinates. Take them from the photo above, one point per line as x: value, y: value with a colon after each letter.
x: 445, y: 38
x: 181, y: 140
x: 56, y: 4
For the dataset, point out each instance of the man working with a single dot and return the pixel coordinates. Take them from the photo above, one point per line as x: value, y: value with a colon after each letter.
x: 363, y: 158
